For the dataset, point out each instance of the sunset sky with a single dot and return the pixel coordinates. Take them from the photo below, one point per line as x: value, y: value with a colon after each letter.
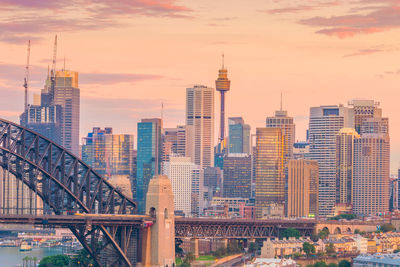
x: 132, y: 55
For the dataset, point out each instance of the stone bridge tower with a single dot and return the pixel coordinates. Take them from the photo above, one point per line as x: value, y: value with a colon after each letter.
x: 159, y: 239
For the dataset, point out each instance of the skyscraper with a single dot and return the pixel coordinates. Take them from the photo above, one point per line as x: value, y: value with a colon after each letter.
x: 237, y: 175
x: 149, y: 151
x: 222, y: 84
x: 67, y: 95
x: 302, y: 188
x: 270, y: 173
x: 364, y: 109
x: 325, y: 123
x: 180, y: 171
x: 200, y: 118
x: 239, y: 136
x: 282, y: 121
x: 372, y: 168
x: 344, y: 164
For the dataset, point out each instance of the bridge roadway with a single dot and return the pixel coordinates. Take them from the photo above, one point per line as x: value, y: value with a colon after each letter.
x: 84, y: 219
x: 184, y: 227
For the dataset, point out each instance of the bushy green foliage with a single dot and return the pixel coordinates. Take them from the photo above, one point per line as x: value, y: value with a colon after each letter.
x: 308, y: 248
x: 387, y: 227
x: 320, y: 264
x: 343, y: 216
x: 323, y: 233
x: 344, y: 263
x: 55, y: 261
x: 290, y: 232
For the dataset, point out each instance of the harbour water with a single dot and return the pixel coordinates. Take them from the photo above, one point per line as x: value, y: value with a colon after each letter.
x: 12, y: 257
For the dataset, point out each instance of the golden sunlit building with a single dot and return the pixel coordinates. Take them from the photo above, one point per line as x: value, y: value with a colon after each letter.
x: 302, y: 188
x: 270, y: 173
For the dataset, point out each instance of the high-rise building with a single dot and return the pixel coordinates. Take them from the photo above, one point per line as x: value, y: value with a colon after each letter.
x: 148, y: 163
x: 301, y: 150
x: 45, y: 120
x: 282, y: 121
x: 198, y: 192
x: 237, y: 176
x: 109, y: 154
x: 344, y: 164
x: 239, y: 136
x: 213, y: 180
x: 364, y: 109
x: 200, y: 121
x: 222, y: 84
x: 394, y: 194
x: 67, y: 95
x: 372, y: 168
x: 302, y: 188
x: 270, y: 172
x: 180, y: 171
x: 174, y: 142
x: 325, y: 123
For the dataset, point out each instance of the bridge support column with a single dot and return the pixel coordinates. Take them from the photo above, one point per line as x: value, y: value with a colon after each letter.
x: 224, y: 242
x: 194, y: 247
x: 160, y: 203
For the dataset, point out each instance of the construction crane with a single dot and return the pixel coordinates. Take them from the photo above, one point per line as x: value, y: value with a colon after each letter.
x: 53, y: 70
x: 26, y: 79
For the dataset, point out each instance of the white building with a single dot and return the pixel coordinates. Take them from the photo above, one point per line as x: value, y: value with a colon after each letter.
x: 200, y: 115
x: 325, y: 122
x: 180, y: 171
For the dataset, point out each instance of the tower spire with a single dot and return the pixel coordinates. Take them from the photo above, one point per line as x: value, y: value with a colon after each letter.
x: 223, y: 61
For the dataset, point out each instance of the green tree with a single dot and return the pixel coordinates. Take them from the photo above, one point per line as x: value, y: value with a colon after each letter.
x: 330, y: 248
x: 323, y: 233
x: 82, y: 259
x: 55, y: 261
x: 290, y: 232
x: 344, y: 263
x: 253, y: 247
x: 387, y: 227
x: 308, y: 248
x: 178, y: 249
x: 320, y: 264
x: 332, y: 264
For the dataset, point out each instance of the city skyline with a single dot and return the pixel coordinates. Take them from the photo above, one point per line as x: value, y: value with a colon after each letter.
x: 258, y: 56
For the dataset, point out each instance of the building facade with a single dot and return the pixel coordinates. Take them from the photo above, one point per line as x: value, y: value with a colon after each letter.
x: 282, y: 121
x: 344, y: 164
x: 200, y: 117
x: 237, y: 176
x: 148, y: 163
x: 302, y: 191
x: 270, y: 173
x: 67, y: 95
x: 325, y: 122
x: 180, y: 171
x: 239, y: 136
x: 372, y: 168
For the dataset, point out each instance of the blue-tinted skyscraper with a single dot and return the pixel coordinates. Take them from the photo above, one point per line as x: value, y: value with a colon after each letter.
x: 148, y: 161
x: 239, y: 136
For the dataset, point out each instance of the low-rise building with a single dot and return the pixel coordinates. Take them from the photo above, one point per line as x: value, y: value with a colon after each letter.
x: 377, y: 260
x: 272, y: 262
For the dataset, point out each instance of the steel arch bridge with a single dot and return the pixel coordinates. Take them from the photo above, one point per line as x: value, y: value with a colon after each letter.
x: 64, y: 183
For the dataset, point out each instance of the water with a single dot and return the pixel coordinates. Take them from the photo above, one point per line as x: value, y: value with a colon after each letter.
x: 12, y: 257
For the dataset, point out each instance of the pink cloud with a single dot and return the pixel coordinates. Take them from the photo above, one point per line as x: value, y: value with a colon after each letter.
x: 364, y: 52
x: 381, y: 19
x: 299, y: 8
x: 20, y: 20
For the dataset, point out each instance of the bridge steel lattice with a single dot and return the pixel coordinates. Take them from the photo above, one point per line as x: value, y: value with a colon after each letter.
x: 238, y: 228
x: 65, y: 183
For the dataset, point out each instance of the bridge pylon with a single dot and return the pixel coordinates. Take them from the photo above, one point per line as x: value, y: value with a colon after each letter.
x: 158, y: 242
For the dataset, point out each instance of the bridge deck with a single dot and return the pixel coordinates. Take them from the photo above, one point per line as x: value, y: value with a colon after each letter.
x: 67, y: 220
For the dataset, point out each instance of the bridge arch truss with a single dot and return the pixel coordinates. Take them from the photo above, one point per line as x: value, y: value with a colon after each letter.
x: 65, y: 184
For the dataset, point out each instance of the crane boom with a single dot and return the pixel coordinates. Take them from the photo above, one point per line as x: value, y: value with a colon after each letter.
x: 53, y: 69
x: 26, y: 79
